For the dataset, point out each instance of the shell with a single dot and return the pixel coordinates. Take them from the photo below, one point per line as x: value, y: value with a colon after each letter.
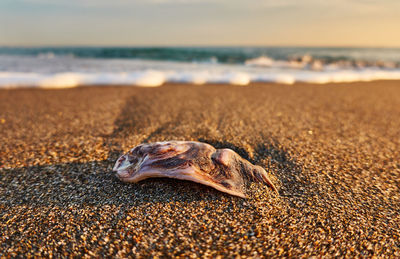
x: 222, y: 169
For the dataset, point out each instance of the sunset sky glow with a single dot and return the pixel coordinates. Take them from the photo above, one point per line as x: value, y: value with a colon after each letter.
x: 366, y: 23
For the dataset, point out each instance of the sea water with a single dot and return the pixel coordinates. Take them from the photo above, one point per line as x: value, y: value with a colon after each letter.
x: 149, y: 67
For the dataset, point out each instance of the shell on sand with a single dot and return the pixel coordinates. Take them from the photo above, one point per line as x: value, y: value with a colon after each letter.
x: 222, y: 169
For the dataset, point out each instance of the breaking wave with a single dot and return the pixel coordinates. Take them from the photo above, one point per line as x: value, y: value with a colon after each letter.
x: 54, y: 71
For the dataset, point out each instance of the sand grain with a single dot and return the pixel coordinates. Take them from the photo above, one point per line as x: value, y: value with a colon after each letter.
x: 332, y: 150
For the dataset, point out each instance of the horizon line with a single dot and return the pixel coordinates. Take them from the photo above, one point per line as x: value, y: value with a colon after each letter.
x: 192, y: 46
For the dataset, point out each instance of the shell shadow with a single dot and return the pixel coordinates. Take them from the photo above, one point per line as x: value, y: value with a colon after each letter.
x: 92, y: 184
x: 290, y: 173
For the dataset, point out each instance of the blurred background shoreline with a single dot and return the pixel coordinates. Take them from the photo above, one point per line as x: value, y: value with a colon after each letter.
x: 53, y: 67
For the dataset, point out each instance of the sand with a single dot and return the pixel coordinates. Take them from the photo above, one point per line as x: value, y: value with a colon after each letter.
x: 332, y: 151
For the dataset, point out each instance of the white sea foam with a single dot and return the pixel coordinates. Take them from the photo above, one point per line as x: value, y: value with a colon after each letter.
x: 63, y: 72
x: 260, y: 61
x: 66, y: 80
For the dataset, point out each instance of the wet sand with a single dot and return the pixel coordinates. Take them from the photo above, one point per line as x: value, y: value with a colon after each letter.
x: 332, y: 151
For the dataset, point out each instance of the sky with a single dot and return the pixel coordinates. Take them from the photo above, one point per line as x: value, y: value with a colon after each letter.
x: 369, y: 23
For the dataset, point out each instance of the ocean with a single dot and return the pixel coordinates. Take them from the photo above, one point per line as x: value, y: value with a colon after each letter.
x: 60, y: 67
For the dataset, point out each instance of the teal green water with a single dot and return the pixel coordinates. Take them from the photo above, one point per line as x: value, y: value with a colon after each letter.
x: 224, y: 55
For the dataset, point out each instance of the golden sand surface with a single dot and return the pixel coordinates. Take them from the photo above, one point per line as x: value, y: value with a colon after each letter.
x: 332, y: 150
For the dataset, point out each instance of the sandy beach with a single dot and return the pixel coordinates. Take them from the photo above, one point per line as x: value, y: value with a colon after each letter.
x: 332, y: 150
